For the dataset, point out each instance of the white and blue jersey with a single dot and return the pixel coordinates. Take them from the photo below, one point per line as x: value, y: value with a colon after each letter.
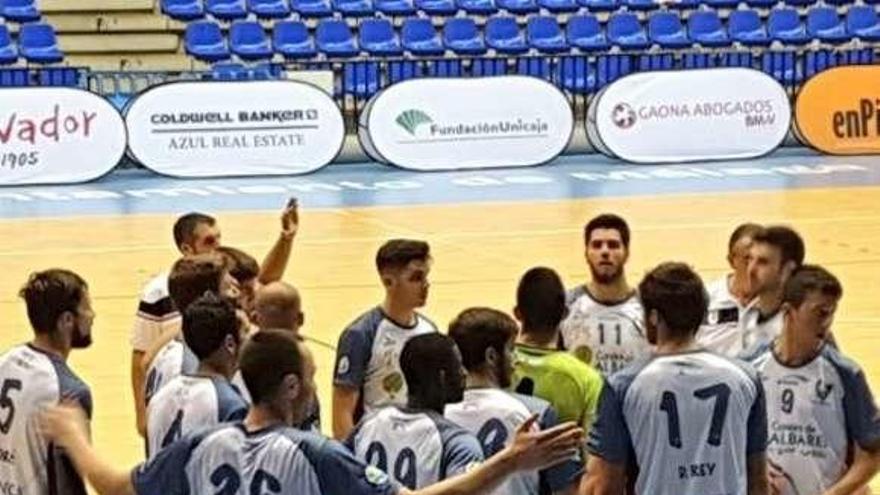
x: 156, y: 314
x: 277, y: 460
x: 607, y: 336
x: 493, y: 415
x: 30, y: 381
x: 188, y: 403
x: 687, y: 422
x: 722, y: 332
x: 368, y: 359
x: 416, y: 447
x: 815, y: 412
x: 758, y: 329
x: 173, y: 360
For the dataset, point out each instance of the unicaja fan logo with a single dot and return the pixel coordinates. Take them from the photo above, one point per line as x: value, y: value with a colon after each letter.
x: 410, y: 120
x: 623, y: 116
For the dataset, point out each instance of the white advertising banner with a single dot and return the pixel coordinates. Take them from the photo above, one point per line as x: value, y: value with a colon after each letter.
x: 223, y: 129
x: 448, y: 124
x: 57, y: 136
x: 680, y: 116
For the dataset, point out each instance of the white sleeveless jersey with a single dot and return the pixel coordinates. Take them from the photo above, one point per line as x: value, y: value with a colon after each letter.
x: 30, y: 381
x: 174, y: 359
x: 493, y: 415
x: 416, y: 448
x: 608, y: 337
x: 687, y: 422
x: 188, y: 403
x: 368, y: 358
x: 722, y: 331
x: 815, y: 413
x: 274, y: 461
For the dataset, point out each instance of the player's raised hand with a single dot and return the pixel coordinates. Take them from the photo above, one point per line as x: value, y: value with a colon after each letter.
x: 290, y: 219
x: 535, y: 449
x: 65, y: 424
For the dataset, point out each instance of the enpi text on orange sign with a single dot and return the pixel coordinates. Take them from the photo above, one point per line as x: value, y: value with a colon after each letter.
x: 838, y: 111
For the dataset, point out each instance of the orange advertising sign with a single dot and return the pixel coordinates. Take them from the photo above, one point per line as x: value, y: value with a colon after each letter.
x: 838, y: 111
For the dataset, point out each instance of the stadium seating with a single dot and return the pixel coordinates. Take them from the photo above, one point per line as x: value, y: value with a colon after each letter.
x: 706, y: 29
x: 183, y: 10
x: 335, y: 39
x: 292, y: 40
x: 420, y: 38
x: 545, y: 35
x: 226, y: 9
x: 824, y: 24
x: 504, y: 36
x: 585, y: 33
x: 785, y: 25
x: 39, y: 44
x: 249, y: 41
x: 269, y: 9
x: 377, y: 37
x: 625, y: 31
x: 746, y: 27
x: 862, y: 22
x: 20, y: 10
x: 205, y: 41
x: 666, y: 30
x: 8, y: 50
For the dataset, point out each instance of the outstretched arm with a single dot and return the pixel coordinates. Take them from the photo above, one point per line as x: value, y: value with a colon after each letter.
x: 276, y: 260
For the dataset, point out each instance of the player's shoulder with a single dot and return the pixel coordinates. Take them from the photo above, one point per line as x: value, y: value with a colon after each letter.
x: 718, y: 288
x: 623, y: 379
x: 575, y: 293
x: 534, y: 405
x: 426, y: 323
x: 155, y: 289
x: 845, y: 366
x: 368, y: 322
x: 567, y: 364
x: 448, y: 429
x: 757, y: 353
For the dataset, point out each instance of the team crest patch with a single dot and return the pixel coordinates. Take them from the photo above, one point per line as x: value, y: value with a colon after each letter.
x: 392, y: 383
x: 343, y: 366
x: 375, y: 476
x: 584, y: 353
x: 823, y: 390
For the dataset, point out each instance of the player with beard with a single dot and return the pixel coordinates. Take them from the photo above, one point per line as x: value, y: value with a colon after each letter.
x: 775, y: 254
x: 415, y: 444
x: 604, y: 326
x: 485, y: 339
x: 824, y: 425
x: 35, y: 375
x: 729, y: 296
x: 683, y: 421
x: 368, y: 374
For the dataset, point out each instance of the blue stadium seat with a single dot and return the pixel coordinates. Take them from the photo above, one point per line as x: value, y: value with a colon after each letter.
x: 544, y: 33
x: 205, y: 41
x: 8, y: 50
x: 839, y: 2
x: 625, y: 31
x: 183, y: 10
x: 312, y: 8
x: 518, y: 7
x: 722, y: 4
x: 601, y: 5
x: 462, y: 37
x: 641, y: 4
x: 824, y: 23
x: 585, y: 33
x: 705, y: 28
x: 39, y: 44
x: 785, y: 25
x: 503, y: 35
x: 20, y: 10
x: 361, y: 79
x: 420, y: 37
x: 577, y: 75
x: 437, y: 7
x: 395, y: 7
x: 800, y: 3
x: 683, y: 4
x: 291, y: 39
x: 559, y: 6
x: 862, y: 22
x: 478, y: 7
x: 229, y: 72
x: 334, y: 39
x: 377, y: 37
x: 746, y: 27
x: 762, y: 4
x: 269, y: 9
x: 665, y: 29
x: 354, y: 8
x: 248, y: 40
x: 226, y: 10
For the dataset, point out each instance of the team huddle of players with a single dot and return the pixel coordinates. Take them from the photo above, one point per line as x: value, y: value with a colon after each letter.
x: 669, y: 387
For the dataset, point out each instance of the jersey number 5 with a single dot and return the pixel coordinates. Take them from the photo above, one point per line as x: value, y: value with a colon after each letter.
x: 6, y: 403
x: 669, y: 405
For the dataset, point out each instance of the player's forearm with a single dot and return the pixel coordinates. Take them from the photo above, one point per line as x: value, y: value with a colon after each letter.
x: 137, y: 389
x: 345, y: 401
x: 343, y: 424
x: 103, y: 477
x: 757, y: 473
x: 863, y: 469
x: 480, y: 480
x: 275, y: 263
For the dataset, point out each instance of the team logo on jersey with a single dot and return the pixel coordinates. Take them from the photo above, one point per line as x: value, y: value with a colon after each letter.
x: 375, y: 476
x: 584, y: 353
x: 392, y: 383
x: 344, y: 365
x: 823, y: 390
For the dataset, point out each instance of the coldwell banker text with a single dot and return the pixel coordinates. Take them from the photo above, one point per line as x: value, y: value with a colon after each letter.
x: 243, y: 129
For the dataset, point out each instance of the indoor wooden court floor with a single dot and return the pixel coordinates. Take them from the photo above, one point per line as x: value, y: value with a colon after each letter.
x: 479, y: 251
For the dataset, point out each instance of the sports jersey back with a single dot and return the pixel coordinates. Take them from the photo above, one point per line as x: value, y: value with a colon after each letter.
x: 30, y: 381
x: 368, y: 358
x: 690, y: 420
x: 277, y: 460
x: 606, y: 336
x: 571, y: 386
x: 722, y: 331
x: 174, y: 359
x: 493, y: 415
x: 417, y: 448
x: 188, y: 403
x: 815, y: 413
x: 156, y: 314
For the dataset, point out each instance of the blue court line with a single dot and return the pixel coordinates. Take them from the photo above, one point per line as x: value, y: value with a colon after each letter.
x: 372, y: 184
